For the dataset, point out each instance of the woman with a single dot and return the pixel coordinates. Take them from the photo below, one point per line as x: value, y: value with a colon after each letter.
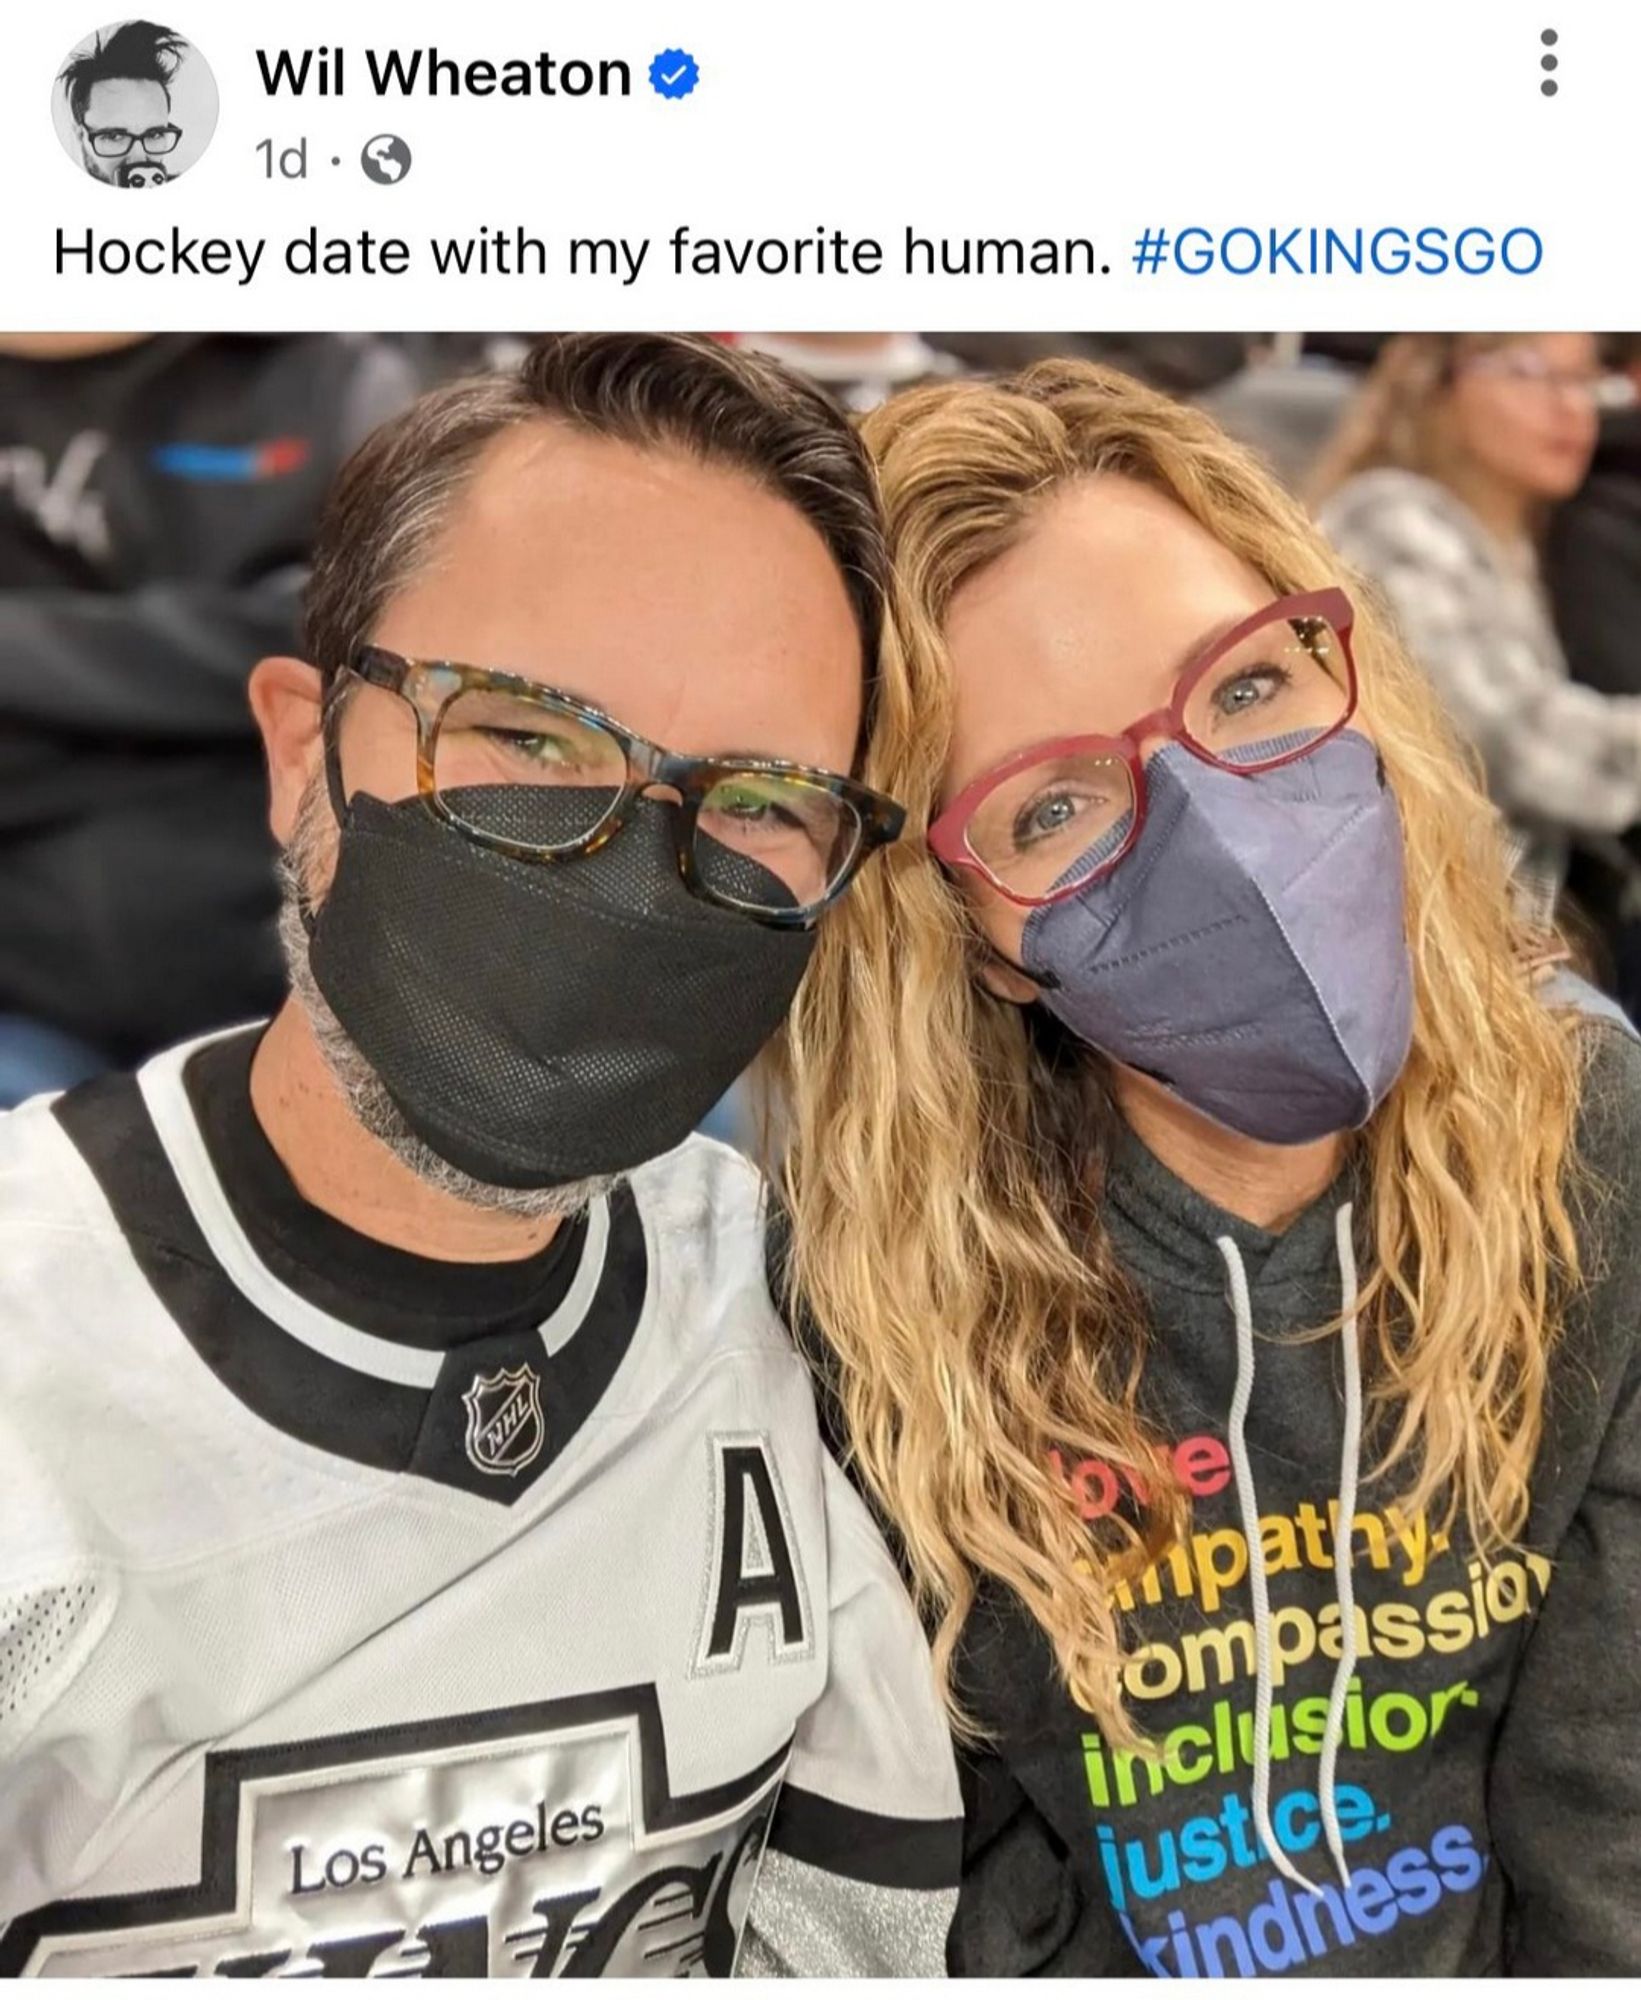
x: 1439, y: 487
x: 1194, y: 1036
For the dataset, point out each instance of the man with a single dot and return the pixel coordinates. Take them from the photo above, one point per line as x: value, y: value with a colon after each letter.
x: 158, y: 500
x: 119, y: 96
x: 418, y: 1552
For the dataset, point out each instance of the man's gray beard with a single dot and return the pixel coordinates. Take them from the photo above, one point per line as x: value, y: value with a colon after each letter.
x: 363, y: 1090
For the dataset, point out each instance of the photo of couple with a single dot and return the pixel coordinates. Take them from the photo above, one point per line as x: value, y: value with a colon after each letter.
x: 822, y: 1153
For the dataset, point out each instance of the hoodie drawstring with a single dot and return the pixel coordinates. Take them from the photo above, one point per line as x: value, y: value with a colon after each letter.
x: 1248, y: 1507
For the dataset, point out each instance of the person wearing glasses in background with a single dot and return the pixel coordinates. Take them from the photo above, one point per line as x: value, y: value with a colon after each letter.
x: 418, y: 1552
x: 119, y: 95
x: 1227, y: 1266
x: 1439, y: 487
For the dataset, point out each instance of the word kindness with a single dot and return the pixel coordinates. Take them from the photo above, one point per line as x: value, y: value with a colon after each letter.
x: 1288, y: 1928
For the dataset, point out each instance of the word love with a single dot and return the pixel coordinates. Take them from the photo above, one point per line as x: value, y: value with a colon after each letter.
x: 1201, y: 1464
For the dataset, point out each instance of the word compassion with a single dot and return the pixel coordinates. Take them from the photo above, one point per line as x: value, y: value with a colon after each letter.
x: 426, y: 73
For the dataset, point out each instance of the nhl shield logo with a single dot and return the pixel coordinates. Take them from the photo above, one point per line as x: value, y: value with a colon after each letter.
x: 505, y: 1428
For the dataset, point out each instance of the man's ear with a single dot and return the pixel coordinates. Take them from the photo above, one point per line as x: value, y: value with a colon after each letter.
x: 286, y: 699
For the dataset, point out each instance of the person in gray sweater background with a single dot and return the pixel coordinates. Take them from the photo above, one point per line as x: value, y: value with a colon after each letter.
x: 1438, y: 488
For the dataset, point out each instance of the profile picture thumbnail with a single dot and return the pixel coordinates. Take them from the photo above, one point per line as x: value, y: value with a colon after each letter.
x: 135, y: 104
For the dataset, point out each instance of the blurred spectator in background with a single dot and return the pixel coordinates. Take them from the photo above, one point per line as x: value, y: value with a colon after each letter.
x: 157, y: 499
x: 1286, y: 404
x: 1593, y: 567
x: 1438, y: 487
x: 442, y: 357
x: 860, y: 369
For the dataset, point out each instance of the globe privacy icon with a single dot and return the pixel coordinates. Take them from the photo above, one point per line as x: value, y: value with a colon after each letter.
x: 386, y: 158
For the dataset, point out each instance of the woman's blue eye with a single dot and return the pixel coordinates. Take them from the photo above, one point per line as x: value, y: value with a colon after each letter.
x: 1052, y: 815
x: 1250, y: 687
x: 1046, y: 816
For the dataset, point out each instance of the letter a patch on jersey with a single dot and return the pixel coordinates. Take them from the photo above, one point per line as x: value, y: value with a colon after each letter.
x: 753, y: 1577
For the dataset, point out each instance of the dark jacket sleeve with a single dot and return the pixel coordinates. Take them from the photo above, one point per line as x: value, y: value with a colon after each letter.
x: 1019, y: 1907
x: 1565, y: 1804
x: 1593, y: 566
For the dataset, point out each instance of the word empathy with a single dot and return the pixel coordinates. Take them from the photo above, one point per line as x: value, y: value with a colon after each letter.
x: 1211, y: 1562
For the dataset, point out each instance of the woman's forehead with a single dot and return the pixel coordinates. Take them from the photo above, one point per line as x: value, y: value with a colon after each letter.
x: 1097, y: 607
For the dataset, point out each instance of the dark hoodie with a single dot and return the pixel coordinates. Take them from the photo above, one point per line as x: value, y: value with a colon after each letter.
x: 1488, y: 1781
x: 1592, y: 569
x: 157, y: 505
x: 1592, y: 563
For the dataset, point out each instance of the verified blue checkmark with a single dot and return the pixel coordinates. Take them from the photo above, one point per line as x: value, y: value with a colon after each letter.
x: 674, y: 73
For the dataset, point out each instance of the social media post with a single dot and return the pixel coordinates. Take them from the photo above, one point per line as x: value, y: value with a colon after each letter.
x: 818, y: 1148
x: 1315, y: 166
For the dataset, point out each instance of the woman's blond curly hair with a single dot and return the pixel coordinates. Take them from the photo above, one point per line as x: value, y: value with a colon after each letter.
x: 946, y: 1156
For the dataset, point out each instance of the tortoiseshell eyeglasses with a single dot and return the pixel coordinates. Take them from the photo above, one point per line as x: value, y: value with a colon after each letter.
x: 543, y: 777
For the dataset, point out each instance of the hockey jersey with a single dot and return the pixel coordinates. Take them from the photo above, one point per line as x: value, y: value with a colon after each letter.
x: 563, y: 1649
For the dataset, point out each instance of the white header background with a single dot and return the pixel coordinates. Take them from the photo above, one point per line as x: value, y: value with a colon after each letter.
x: 1042, y: 118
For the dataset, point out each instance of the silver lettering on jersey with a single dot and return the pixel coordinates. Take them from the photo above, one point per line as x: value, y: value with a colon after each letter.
x: 505, y: 1429
x: 525, y: 1858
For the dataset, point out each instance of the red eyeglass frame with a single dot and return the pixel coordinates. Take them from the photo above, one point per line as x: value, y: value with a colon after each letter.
x: 948, y: 837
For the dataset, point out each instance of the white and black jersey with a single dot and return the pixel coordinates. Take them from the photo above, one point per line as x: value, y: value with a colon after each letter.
x: 365, y: 1614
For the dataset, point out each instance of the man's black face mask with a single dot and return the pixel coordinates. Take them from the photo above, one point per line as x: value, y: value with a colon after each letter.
x: 539, y: 1024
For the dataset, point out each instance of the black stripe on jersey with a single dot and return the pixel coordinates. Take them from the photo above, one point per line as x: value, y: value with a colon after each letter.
x: 227, y: 1771
x: 867, y: 1847
x: 308, y: 1395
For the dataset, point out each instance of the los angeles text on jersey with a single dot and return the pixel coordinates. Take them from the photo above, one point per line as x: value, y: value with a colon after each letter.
x: 486, y: 1848
x: 526, y: 1842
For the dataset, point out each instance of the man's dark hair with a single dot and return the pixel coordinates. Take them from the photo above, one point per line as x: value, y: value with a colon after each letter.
x: 679, y: 392
x: 137, y: 51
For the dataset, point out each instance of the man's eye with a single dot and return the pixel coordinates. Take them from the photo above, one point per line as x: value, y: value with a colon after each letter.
x: 534, y: 746
x: 752, y: 808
